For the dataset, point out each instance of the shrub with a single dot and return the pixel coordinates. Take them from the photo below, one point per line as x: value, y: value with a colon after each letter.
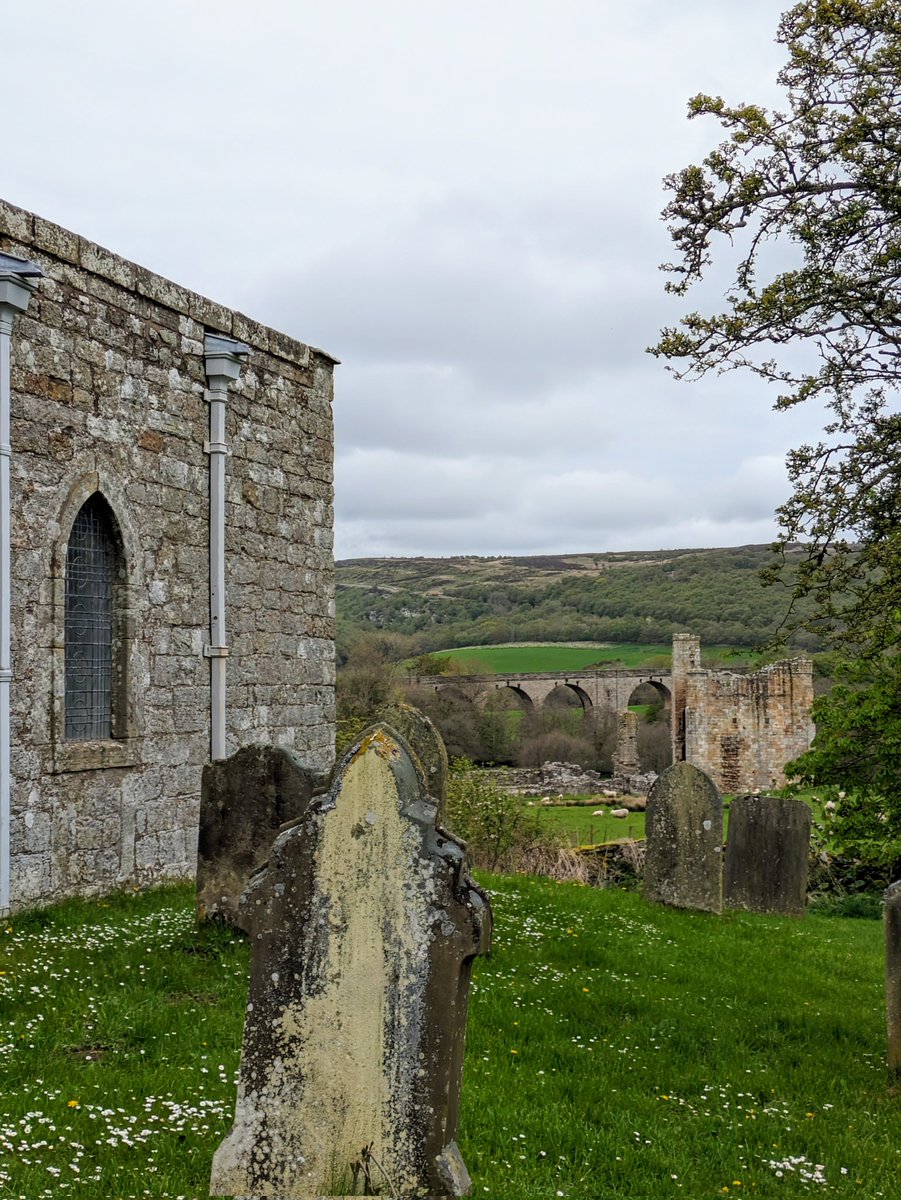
x: 498, y: 830
x: 554, y: 746
x: 842, y: 874
x: 863, y: 905
x: 655, y: 750
x: 455, y: 717
x: 617, y: 865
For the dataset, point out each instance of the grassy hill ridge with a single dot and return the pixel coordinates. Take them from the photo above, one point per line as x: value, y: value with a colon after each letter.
x: 639, y: 597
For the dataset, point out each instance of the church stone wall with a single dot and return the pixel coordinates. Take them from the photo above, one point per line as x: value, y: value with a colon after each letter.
x: 742, y: 729
x: 108, y: 394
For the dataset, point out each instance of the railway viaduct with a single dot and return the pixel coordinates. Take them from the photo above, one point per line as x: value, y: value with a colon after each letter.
x: 741, y: 727
x: 593, y: 689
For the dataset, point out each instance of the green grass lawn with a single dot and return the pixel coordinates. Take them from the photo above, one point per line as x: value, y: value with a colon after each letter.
x: 518, y: 659
x: 615, y: 1050
x: 578, y: 826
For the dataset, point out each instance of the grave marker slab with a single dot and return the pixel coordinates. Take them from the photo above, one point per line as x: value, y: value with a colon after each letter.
x: 892, y: 925
x: 244, y: 801
x: 684, y: 829
x: 767, y: 855
x: 365, y: 927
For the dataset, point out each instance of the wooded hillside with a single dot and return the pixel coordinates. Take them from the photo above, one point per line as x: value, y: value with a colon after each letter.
x: 641, y: 597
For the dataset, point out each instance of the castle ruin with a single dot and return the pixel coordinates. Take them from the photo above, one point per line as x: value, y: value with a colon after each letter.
x: 740, y: 728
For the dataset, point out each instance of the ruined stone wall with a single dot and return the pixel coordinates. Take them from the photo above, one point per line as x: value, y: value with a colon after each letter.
x: 686, y: 657
x: 742, y: 729
x: 108, y: 394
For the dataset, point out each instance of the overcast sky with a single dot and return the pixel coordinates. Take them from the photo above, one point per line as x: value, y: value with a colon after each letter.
x: 461, y: 202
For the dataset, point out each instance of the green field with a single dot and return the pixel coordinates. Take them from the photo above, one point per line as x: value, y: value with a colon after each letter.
x: 577, y: 825
x: 522, y: 658
x: 636, y: 1052
x: 616, y: 1051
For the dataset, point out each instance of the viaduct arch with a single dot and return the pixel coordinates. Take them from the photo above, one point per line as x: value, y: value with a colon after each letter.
x: 741, y: 727
x: 593, y: 689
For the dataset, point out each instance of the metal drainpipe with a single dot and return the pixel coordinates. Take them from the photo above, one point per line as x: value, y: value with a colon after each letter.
x: 223, y: 359
x: 18, y: 279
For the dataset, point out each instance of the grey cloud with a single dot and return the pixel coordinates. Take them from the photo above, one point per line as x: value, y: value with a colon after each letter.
x: 460, y: 508
x: 493, y: 311
x: 461, y: 203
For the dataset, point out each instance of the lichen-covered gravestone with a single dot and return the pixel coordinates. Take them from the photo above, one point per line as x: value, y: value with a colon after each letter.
x: 683, y: 863
x: 767, y: 855
x: 244, y: 801
x: 365, y: 927
x: 423, y: 738
x: 892, y: 923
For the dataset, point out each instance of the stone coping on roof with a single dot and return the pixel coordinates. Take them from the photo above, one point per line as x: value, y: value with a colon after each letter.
x: 30, y: 230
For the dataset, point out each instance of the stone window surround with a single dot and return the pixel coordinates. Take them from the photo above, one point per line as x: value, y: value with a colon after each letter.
x: 94, y: 574
x: 123, y: 749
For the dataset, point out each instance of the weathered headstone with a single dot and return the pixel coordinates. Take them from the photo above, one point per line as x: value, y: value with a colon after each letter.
x: 684, y: 828
x: 892, y: 924
x: 625, y: 758
x: 365, y: 928
x: 767, y: 855
x: 423, y: 738
x: 244, y: 801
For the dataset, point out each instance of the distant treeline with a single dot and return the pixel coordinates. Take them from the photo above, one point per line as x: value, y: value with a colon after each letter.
x: 435, y: 604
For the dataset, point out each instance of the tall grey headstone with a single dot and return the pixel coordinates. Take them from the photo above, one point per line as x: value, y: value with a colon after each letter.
x: 767, y: 855
x: 244, y: 801
x: 892, y: 923
x: 366, y: 924
x: 684, y: 829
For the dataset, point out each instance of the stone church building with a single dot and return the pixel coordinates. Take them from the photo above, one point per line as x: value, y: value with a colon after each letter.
x: 166, y: 572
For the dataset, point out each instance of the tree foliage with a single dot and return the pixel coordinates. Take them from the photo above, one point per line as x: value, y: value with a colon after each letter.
x: 856, y: 756
x: 627, y: 598
x: 366, y: 682
x: 822, y: 180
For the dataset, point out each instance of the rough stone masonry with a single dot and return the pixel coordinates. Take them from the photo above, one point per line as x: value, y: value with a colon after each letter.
x: 364, y: 926
x: 108, y: 397
x: 741, y: 729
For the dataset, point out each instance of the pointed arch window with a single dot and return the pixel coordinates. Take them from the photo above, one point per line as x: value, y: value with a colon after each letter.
x: 93, y: 642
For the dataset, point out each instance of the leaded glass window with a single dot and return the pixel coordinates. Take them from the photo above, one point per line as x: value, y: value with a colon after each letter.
x: 91, y: 561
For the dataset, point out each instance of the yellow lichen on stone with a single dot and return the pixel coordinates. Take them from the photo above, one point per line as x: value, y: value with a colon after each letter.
x: 362, y: 867
x: 379, y: 741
